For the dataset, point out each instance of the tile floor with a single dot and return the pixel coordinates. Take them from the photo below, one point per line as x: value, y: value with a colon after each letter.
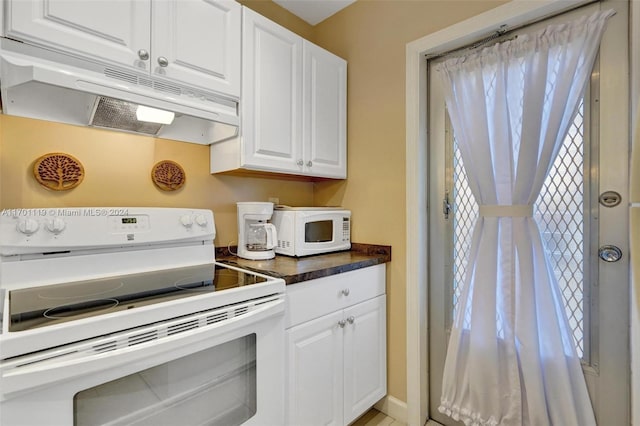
x: 374, y: 417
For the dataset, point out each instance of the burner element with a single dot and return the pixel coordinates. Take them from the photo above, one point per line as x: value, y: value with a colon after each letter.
x: 194, y: 283
x: 76, y: 309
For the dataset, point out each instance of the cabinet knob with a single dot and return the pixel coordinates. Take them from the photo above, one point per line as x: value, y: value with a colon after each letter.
x: 346, y: 291
x: 143, y: 54
x: 309, y: 163
x: 162, y: 61
x: 351, y: 319
x: 300, y: 163
x: 342, y: 323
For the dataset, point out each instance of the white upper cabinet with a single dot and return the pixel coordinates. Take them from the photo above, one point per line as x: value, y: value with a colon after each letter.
x: 325, y: 113
x: 271, y: 95
x: 196, y: 42
x: 293, y: 109
x: 101, y: 30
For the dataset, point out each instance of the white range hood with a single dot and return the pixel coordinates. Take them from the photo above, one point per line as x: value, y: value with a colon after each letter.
x: 38, y: 83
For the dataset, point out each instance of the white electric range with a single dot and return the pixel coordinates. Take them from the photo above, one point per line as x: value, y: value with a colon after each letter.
x: 122, y: 316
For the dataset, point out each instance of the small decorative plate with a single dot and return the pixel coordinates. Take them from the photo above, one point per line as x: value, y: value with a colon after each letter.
x: 58, y: 172
x: 168, y: 175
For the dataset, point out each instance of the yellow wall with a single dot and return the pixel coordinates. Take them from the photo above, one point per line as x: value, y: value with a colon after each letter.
x: 118, y: 173
x: 371, y: 35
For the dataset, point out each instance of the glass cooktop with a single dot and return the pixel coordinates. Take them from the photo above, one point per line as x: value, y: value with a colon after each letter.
x: 52, y: 304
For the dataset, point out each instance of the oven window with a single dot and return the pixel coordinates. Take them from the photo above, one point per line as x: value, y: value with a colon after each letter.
x: 320, y: 231
x: 216, y: 386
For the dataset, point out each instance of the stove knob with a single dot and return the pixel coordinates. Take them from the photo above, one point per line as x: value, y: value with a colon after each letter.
x: 201, y: 220
x: 56, y: 225
x: 27, y: 226
x: 186, y: 221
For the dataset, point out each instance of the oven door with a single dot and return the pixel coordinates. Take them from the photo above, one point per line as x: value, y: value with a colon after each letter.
x: 219, y: 367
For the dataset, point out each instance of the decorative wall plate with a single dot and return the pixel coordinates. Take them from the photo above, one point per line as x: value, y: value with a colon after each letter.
x: 168, y: 175
x: 58, y: 171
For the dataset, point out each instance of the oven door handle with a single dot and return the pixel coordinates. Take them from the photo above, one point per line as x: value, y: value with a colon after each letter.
x: 32, y: 375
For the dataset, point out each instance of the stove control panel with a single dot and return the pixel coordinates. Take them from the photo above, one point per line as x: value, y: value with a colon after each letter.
x: 63, y: 229
x: 199, y: 219
x: 129, y: 223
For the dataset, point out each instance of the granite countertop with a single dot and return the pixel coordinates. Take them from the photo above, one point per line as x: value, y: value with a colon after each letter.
x: 294, y: 270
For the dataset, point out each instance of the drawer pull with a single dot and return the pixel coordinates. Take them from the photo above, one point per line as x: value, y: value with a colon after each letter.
x: 342, y: 323
x: 346, y: 291
x: 351, y: 319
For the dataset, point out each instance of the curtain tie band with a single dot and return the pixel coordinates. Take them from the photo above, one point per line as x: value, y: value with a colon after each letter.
x: 497, y: 210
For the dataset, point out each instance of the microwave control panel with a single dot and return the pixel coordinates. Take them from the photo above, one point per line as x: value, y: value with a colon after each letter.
x: 346, y: 229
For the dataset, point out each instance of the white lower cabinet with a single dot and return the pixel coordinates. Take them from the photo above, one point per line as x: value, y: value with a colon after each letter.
x: 315, y: 389
x: 336, y: 347
x: 365, y: 357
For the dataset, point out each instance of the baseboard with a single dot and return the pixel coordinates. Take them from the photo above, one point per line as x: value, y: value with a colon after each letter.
x: 393, y: 407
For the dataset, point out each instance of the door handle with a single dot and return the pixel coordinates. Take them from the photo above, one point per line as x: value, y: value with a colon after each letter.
x: 446, y: 206
x: 610, y: 253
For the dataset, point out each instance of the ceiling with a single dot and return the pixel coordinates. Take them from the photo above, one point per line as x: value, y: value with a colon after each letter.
x: 314, y: 11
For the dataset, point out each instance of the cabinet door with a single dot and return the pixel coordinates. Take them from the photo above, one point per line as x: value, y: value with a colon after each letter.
x: 365, y: 356
x: 325, y: 112
x: 271, y: 95
x: 101, y: 30
x: 198, y: 42
x: 314, y: 372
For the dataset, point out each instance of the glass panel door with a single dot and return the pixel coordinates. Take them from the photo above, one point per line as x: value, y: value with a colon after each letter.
x: 563, y: 218
x: 593, y: 159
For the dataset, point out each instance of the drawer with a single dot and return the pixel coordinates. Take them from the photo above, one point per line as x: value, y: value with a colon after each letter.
x: 312, y: 299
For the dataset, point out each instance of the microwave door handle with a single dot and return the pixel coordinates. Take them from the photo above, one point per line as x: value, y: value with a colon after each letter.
x: 272, y: 236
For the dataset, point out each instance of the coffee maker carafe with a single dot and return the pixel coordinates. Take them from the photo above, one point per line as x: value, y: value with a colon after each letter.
x: 256, y: 236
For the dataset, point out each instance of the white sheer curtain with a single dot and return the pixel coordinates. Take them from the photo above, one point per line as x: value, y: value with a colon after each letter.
x: 511, y: 359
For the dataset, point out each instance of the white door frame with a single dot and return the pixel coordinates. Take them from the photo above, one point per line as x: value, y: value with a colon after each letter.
x: 515, y: 13
x: 634, y: 48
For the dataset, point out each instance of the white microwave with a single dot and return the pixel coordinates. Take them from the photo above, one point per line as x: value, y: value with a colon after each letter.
x: 303, y: 231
